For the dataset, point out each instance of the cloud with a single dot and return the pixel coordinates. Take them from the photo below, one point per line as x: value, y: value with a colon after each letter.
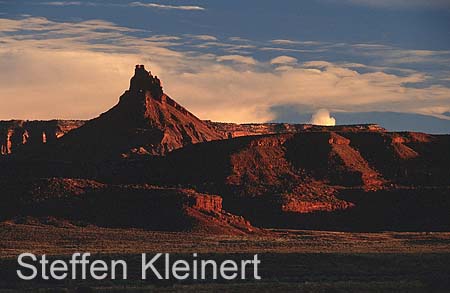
x: 237, y: 58
x: 290, y: 50
x: 202, y: 37
x: 322, y: 117
x: 78, y: 70
x: 325, y: 87
x: 369, y: 46
x: 76, y: 3
x: 291, y: 42
x: 51, y: 85
x: 283, y: 60
x: 160, y: 38
x: 62, y: 3
x: 163, y: 6
x: 318, y: 64
x: 239, y: 39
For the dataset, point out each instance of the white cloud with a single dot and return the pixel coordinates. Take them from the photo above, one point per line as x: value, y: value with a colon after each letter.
x: 237, y: 58
x: 369, y: 46
x: 163, y: 6
x: 283, y: 60
x: 160, y: 38
x: 291, y: 50
x: 62, y: 3
x: 202, y: 37
x: 322, y: 117
x: 291, y: 42
x: 239, y: 39
x: 76, y: 3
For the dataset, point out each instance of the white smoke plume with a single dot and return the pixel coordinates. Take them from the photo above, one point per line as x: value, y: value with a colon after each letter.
x: 322, y: 117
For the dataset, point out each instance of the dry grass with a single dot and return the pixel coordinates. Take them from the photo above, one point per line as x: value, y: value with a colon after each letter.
x: 51, y: 240
x: 292, y: 260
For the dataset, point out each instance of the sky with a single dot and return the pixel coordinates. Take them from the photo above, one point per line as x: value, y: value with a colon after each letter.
x: 320, y: 61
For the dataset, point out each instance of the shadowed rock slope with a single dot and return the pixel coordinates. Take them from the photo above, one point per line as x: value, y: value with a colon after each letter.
x: 299, y: 173
x: 342, y: 180
x: 83, y: 202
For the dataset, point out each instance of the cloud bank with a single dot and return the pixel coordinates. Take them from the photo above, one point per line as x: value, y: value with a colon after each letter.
x: 78, y: 70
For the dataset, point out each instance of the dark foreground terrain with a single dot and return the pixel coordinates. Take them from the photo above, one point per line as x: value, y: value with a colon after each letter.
x: 292, y: 260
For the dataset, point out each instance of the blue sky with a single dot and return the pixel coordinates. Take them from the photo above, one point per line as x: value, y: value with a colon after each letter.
x: 238, y: 61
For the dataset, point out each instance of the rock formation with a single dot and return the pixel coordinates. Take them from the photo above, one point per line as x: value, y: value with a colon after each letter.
x: 329, y: 157
x: 18, y: 134
x: 146, y: 121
